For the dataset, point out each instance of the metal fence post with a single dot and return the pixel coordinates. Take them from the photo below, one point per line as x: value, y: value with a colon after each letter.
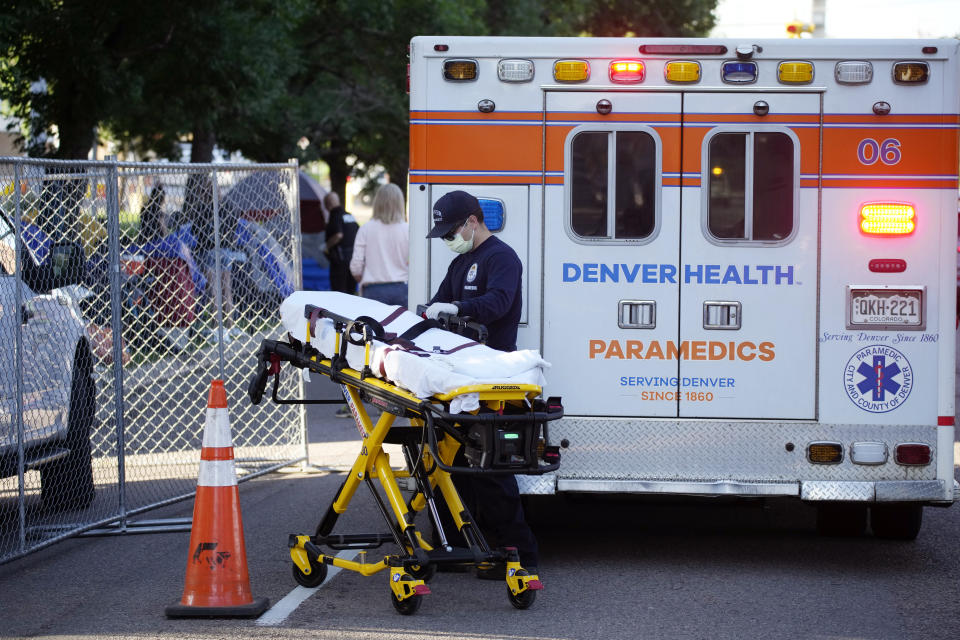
x: 218, y: 270
x: 116, y: 326
x: 298, y: 282
x: 18, y: 360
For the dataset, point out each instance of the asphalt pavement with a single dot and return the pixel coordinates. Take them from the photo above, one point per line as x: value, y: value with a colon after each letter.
x: 612, y: 568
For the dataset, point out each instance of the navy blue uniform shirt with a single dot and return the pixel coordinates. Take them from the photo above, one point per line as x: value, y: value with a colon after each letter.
x: 486, y: 284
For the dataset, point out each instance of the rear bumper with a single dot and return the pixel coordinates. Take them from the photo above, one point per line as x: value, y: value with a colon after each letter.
x: 931, y: 491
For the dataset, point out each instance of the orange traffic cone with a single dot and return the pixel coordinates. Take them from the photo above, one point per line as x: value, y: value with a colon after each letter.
x: 217, y: 583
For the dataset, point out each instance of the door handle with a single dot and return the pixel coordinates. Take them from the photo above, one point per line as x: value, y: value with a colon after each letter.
x: 637, y: 314
x: 722, y: 315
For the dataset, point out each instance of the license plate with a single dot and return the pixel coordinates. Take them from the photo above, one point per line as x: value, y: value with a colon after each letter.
x: 891, y: 308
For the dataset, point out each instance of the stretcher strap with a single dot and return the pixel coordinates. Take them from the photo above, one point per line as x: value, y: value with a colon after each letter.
x: 399, y: 311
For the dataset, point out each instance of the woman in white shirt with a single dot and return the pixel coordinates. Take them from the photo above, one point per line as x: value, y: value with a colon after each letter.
x: 380, y: 252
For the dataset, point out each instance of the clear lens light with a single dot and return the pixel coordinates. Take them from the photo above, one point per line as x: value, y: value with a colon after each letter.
x: 853, y: 72
x: 515, y: 70
x: 887, y: 218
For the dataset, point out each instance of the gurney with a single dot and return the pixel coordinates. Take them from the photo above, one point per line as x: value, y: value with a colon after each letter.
x: 455, y: 392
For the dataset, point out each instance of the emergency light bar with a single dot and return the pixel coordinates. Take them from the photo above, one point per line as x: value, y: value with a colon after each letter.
x: 887, y: 218
x: 627, y: 71
x: 571, y: 71
x: 911, y: 72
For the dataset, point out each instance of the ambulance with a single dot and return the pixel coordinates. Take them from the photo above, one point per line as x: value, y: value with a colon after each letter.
x: 738, y: 256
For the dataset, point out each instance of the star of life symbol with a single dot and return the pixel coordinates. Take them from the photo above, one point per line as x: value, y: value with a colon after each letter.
x: 878, y: 378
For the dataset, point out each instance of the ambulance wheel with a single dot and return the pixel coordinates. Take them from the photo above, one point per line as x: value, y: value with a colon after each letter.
x: 524, y: 599
x: 844, y: 520
x: 896, y: 521
x: 318, y: 573
x: 407, y: 606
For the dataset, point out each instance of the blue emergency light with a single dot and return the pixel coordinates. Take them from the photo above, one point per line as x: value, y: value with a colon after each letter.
x: 493, y: 213
x: 739, y: 72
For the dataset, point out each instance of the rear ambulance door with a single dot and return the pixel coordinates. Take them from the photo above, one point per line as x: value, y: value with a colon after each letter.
x: 611, y: 246
x: 749, y: 255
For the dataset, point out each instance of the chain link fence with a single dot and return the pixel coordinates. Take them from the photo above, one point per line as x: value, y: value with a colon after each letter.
x: 125, y: 288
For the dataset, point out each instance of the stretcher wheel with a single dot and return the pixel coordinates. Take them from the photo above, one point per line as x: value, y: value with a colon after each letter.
x: 318, y: 572
x: 407, y: 606
x: 423, y: 572
x: 524, y: 599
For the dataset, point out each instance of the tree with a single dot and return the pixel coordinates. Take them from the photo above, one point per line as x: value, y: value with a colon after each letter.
x: 150, y: 72
x: 65, y: 66
x: 347, y: 97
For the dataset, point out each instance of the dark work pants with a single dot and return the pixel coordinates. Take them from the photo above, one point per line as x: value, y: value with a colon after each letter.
x: 494, y: 502
x: 341, y: 279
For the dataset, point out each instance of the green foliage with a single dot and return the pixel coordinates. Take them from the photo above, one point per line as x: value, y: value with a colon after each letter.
x: 260, y: 75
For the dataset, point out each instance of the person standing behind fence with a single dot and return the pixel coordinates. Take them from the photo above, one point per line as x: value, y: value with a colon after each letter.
x: 340, y: 233
x: 381, y: 250
x: 198, y: 211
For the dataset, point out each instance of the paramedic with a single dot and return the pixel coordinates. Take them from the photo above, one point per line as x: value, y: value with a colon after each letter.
x: 341, y: 231
x: 483, y: 282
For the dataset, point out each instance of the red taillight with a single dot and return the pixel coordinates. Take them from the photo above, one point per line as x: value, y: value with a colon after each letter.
x: 912, y: 454
x: 889, y: 265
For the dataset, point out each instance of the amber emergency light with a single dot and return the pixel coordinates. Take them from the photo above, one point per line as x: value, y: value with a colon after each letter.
x: 682, y: 71
x: 460, y: 70
x: 571, y: 71
x: 887, y: 219
x: 825, y: 452
x: 795, y: 72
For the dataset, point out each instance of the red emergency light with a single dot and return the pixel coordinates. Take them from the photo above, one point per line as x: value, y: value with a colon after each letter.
x: 627, y: 71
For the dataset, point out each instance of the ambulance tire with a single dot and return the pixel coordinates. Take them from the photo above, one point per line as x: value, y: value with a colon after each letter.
x: 896, y: 521
x: 844, y: 520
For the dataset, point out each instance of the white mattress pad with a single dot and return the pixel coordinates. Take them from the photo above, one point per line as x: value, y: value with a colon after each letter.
x: 435, y: 366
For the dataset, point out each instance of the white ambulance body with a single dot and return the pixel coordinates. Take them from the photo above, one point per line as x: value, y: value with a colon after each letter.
x: 743, y: 275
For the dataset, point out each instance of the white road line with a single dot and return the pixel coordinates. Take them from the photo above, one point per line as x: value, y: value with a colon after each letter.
x: 289, y: 603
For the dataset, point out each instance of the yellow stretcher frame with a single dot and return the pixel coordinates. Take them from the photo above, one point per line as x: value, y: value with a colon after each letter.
x: 429, y: 463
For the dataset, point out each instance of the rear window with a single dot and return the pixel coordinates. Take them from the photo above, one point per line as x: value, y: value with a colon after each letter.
x: 752, y: 186
x: 613, y: 179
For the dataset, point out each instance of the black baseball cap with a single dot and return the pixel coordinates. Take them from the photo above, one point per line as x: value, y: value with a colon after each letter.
x: 451, y: 210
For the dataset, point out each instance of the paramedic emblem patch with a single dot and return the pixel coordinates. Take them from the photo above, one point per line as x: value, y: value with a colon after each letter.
x: 472, y: 274
x: 878, y: 378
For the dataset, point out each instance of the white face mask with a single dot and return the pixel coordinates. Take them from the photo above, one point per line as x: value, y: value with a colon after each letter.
x: 459, y: 244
